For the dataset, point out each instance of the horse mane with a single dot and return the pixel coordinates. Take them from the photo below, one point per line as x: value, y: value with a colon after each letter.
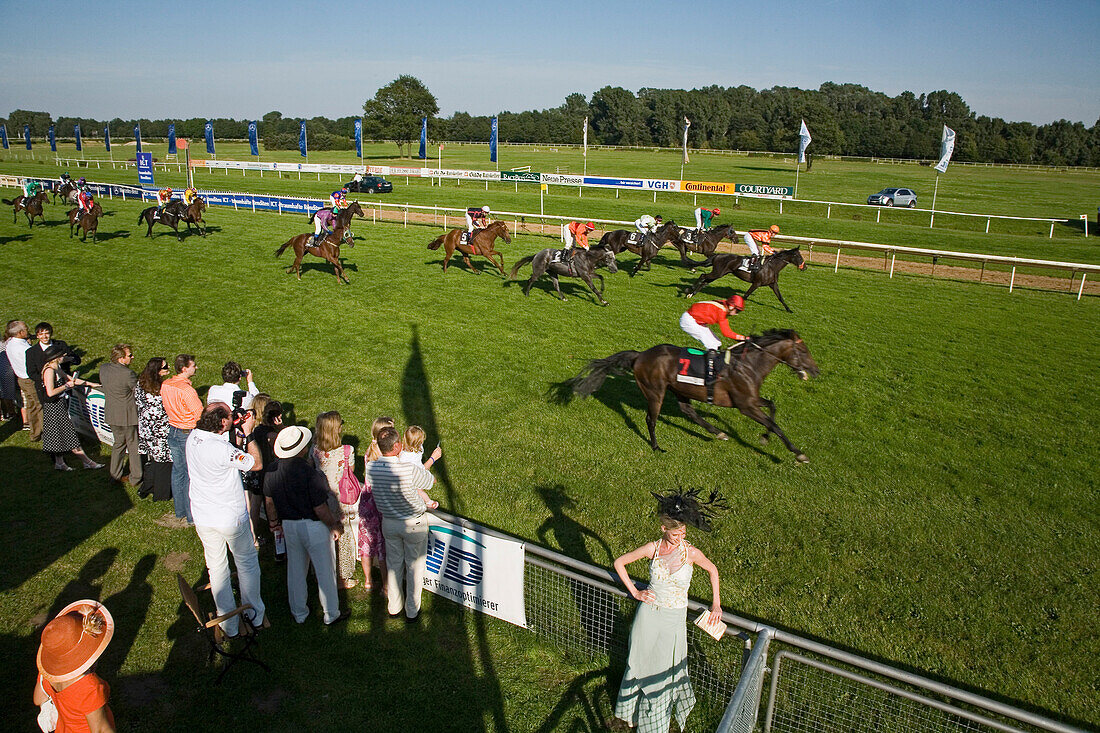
x: 774, y: 336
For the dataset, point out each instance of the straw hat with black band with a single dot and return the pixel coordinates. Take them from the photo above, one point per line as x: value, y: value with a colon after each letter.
x: 74, y: 640
x: 292, y: 440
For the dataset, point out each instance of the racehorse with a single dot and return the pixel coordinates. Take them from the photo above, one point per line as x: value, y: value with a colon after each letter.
x: 585, y: 263
x: 482, y: 244
x: 706, y: 242
x: 647, y: 248
x: 89, y: 222
x: 768, y: 274
x: 328, y: 249
x: 67, y: 192
x: 32, y: 208
x: 174, y: 212
x: 738, y: 382
x: 193, y: 215
x: 345, y: 216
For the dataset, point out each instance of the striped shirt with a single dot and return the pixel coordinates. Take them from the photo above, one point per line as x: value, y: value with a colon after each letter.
x: 394, y: 485
x: 181, y: 402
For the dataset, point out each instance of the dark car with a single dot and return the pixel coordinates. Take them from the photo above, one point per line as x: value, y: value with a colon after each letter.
x: 370, y: 184
x: 893, y: 197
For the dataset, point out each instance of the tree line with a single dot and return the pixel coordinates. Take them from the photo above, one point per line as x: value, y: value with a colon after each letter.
x: 844, y: 119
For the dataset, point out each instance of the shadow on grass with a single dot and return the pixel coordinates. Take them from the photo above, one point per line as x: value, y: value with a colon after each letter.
x: 16, y: 238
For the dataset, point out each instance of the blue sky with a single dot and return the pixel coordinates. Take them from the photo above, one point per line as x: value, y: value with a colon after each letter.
x: 1017, y: 60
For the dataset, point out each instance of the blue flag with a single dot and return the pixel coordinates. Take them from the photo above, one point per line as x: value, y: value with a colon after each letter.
x: 53, y: 140
x: 107, y: 137
x: 137, y: 137
x: 172, y: 139
x: 253, y: 143
x: 4, y: 136
x: 493, y: 142
x: 27, y: 135
x: 359, y: 138
x: 209, y: 130
x: 79, y: 142
x: 423, y: 138
x: 302, y: 139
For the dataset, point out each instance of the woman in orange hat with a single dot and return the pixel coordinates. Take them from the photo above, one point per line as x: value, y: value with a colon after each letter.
x: 71, y: 644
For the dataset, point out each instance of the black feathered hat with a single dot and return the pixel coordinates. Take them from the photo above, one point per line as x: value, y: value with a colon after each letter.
x: 687, y: 506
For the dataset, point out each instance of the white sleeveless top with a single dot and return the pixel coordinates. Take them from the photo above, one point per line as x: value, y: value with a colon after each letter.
x: 670, y: 588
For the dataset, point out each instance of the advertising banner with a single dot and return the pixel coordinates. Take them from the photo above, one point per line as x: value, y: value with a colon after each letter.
x: 76, y: 133
x: 302, y: 149
x: 359, y: 138
x: 53, y: 140
x: 749, y: 189
x: 562, y: 179
x: 107, y: 137
x: 493, y: 142
x: 423, y: 138
x: 614, y: 182
x: 172, y: 139
x: 253, y: 139
x: 476, y: 570
x: 145, y: 169
x: 706, y: 187
x: 89, y: 415
x: 208, y: 131
x: 27, y: 135
x: 137, y: 138
x: 527, y: 176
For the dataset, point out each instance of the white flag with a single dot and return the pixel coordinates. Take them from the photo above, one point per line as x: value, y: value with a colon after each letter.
x: 947, y: 147
x: 687, y: 124
x: 586, y: 137
x: 803, y: 141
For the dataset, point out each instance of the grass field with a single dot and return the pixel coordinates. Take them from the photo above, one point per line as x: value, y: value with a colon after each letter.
x: 947, y: 520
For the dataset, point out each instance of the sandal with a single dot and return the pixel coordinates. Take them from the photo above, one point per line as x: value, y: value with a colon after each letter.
x: 350, y: 583
x: 63, y: 467
x: 92, y: 466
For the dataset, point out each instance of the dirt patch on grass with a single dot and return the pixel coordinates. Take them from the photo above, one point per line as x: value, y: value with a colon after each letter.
x: 175, y: 561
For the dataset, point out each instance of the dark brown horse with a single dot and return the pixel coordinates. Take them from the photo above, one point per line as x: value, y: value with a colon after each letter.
x: 738, y: 385
x: 171, y: 216
x: 738, y: 265
x: 328, y: 249
x: 66, y: 192
x: 648, y: 245
x: 482, y: 244
x: 89, y: 222
x: 192, y: 214
x: 32, y: 208
x: 705, y: 242
x: 585, y: 263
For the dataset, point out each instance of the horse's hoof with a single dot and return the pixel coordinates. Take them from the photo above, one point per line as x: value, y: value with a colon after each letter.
x: 764, y: 439
x: 801, y: 458
x: 721, y: 436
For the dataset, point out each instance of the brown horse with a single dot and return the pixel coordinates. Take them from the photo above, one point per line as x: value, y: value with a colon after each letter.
x: 648, y: 245
x: 766, y: 274
x: 171, y: 216
x: 67, y: 192
x: 705, y: 242
x: 193, y: 215
x: 328, y: 249
x: 89, y: 222
x: 482, y: 244
x: 738, y: 383
x: 32, y: 208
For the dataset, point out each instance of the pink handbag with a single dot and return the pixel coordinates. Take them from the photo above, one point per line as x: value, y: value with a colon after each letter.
x: 350, y: 488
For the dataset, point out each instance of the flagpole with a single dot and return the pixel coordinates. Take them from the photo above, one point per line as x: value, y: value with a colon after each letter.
x: 797, y: 168
x: 935, y: 191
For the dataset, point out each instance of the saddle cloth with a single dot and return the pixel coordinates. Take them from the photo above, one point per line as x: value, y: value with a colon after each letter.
x: 634, y: 238
x: 693, y: 366
x: 468, y: 239
x: 689, y: 236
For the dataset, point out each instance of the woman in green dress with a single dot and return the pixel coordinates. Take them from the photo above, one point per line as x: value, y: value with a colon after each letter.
x: 656, y: 686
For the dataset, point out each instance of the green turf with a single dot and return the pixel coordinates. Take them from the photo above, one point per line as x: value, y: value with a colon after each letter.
x: 947, y: 520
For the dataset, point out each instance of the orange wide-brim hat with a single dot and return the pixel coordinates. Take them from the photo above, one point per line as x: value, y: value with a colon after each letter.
x: 74, y: 640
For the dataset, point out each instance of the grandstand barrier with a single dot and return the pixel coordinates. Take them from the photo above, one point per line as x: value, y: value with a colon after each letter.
x: 441, y: 216
x: 582, y: 608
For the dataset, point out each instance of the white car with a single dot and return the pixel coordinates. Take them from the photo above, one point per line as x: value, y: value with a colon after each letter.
x: 894, y: 197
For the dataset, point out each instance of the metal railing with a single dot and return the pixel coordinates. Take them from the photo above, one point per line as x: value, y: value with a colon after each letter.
x: 582, y: 608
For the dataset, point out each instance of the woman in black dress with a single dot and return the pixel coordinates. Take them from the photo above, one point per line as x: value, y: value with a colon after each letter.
x: 58, y: 432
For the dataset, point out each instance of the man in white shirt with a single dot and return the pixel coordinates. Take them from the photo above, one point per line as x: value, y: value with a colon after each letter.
x: 220, y: 511
x: 16, y: 349
x: 232, y: 374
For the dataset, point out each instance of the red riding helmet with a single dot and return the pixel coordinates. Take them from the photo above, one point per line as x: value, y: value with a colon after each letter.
x: 735, y: 301
x: 717, y: 212
x: 589, y: 226
x: 774, y: 229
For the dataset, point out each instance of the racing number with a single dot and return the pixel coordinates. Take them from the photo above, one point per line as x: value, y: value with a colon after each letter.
x: 684, y: 364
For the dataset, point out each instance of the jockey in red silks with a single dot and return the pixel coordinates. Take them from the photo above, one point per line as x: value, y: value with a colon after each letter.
x: 84, y: 201
x: 323, y: 223
x: 575, y: 233
x: 764, y: 238
x: 696, y: 322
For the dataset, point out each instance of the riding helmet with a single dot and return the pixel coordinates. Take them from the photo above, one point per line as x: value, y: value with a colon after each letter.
x: 589, y: 226
x: 774, y: 229
x: 735, y: 301
x: 717, y: 212
x: 485, y: 209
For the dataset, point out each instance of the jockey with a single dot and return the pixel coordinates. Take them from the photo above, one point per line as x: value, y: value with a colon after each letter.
x: 696, y: 321
x: 764, y: 237
x: 164, y: 196
x: 646, y: 224
x: 82, y: 184
x: 703, y: 217
x: 189, y: 195
x: 338, y: 200
x: 84, y: 202
x: 476, y: 219
x: 64, y: 179
x: 323, y: 223
x: 31, y: 188
x: 575, y: 233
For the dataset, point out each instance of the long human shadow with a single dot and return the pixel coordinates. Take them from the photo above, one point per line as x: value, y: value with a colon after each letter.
x: 129, y: 608
x: 418, y: 408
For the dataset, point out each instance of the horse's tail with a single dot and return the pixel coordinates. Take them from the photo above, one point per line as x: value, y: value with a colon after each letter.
x: 142, y: 215
x: 592, y: 377
x: 285, y: 245
x: 434, y: 244
x: 521, y: 263
x: 9, y: 202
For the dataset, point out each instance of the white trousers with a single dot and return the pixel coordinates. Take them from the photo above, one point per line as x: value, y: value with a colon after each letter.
x: 239, y: 541
x: 753, y: 247
x: 566, y: 236
x: 702, y: 333
x: 469, y: 224
x: 406, y: 554
x: 310, y: 541
x: 699, y: 218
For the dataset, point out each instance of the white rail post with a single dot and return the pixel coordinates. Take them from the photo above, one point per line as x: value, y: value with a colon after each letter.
x: 829, y: 212
x: 836, y: 265
x: 878, y: 215
x: 1051, y: 229
x: 987, y: 226
x: 1082, y: 288
x: 1012, y: 280
x: 406, y: 215
x: 1085, y: 218
x: 892, y: 256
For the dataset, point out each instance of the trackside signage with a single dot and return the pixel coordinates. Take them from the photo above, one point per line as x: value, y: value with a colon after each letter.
x: 706, y: 187
x: 89, y: 415
x: 748, y: 189
x: 145, y: 169
x: 476, y: 570
x: 527, y: 176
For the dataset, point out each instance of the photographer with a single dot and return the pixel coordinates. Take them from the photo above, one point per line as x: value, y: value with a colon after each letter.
x: 232, y: 373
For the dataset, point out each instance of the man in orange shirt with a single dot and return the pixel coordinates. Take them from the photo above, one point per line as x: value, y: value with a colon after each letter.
x: 575, y: 233
x: 183, y: 407
x: 763, y: 237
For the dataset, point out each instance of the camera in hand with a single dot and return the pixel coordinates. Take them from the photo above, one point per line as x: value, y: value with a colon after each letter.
x: 240, y: 414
